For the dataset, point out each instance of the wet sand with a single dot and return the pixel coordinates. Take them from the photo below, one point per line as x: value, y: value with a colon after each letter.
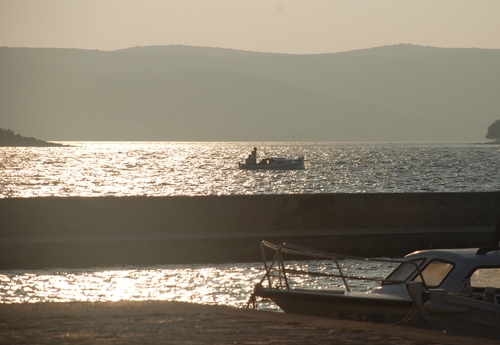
x: 159, y: 322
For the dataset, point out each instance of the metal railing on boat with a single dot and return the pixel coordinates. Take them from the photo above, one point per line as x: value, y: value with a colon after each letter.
x: 281, y: 272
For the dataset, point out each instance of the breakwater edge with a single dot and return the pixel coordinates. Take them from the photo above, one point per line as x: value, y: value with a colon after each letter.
x: 88, y: 231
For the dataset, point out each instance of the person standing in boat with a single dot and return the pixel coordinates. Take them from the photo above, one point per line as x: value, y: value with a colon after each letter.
x: 254, y: 156
x: 249, y: 160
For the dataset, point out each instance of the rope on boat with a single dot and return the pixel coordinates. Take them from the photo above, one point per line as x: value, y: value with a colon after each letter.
x: 413, y: 314
x: 253, y: 301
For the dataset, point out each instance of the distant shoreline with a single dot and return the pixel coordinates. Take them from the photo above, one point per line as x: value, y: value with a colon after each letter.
x: 10, y: 139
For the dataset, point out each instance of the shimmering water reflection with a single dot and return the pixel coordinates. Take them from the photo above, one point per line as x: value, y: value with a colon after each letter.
x: 222, y: 284
x: 200, y: 168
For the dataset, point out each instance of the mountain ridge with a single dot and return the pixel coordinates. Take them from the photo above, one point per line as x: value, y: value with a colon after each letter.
x: 390, y: 93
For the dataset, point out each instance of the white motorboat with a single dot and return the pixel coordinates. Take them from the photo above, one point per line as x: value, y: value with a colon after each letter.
x: 389, y: 302
x: 274, y: 163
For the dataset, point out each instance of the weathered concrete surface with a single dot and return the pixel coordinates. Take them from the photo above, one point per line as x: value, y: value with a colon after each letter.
x: 39, y: 232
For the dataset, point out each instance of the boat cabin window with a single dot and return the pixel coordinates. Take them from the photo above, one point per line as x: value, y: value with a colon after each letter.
x: 402, y: 272
x: 485, y: 277
x: 435, y: 272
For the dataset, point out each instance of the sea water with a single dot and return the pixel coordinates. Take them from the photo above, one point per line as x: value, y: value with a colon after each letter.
x: 228, y: 284
x: 199, y: 168
x: 166, y: 168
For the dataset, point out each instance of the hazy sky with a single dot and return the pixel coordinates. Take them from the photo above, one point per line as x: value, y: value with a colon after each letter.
x: 285, y: 26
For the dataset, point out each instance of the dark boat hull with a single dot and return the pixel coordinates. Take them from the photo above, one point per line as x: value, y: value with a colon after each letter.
x: 341, y: 306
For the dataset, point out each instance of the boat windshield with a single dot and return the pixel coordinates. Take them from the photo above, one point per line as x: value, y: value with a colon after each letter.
x: 485, y: 277
x: 435, y: 272
x: 403, y: 272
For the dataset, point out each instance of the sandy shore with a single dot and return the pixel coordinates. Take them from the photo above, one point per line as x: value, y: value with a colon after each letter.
x: 154, y: 322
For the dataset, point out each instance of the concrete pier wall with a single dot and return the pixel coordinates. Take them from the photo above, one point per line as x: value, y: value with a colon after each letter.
x: 40, y: 232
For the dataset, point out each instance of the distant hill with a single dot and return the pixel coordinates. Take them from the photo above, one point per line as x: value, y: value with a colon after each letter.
x: 191, y: 51
x: 9, y: 138
x: 393, y: 93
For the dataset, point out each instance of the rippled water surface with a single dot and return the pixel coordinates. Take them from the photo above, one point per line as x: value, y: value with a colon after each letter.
x: 224, y: 284
x: 166, y: 168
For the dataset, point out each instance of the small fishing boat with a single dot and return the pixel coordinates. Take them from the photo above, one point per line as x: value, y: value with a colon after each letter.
x: 328, y: 292
x: 275, y: 164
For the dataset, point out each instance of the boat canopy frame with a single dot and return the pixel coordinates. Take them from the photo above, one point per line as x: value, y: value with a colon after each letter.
x: 277, y: 275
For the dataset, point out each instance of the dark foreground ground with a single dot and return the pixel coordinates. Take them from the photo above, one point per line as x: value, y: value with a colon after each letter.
x: 155, y: 322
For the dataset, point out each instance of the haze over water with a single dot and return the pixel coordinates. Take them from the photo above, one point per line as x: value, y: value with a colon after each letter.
x: 206, y: 168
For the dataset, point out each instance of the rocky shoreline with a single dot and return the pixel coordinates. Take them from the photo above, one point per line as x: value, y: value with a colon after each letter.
x: 9, y: 138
